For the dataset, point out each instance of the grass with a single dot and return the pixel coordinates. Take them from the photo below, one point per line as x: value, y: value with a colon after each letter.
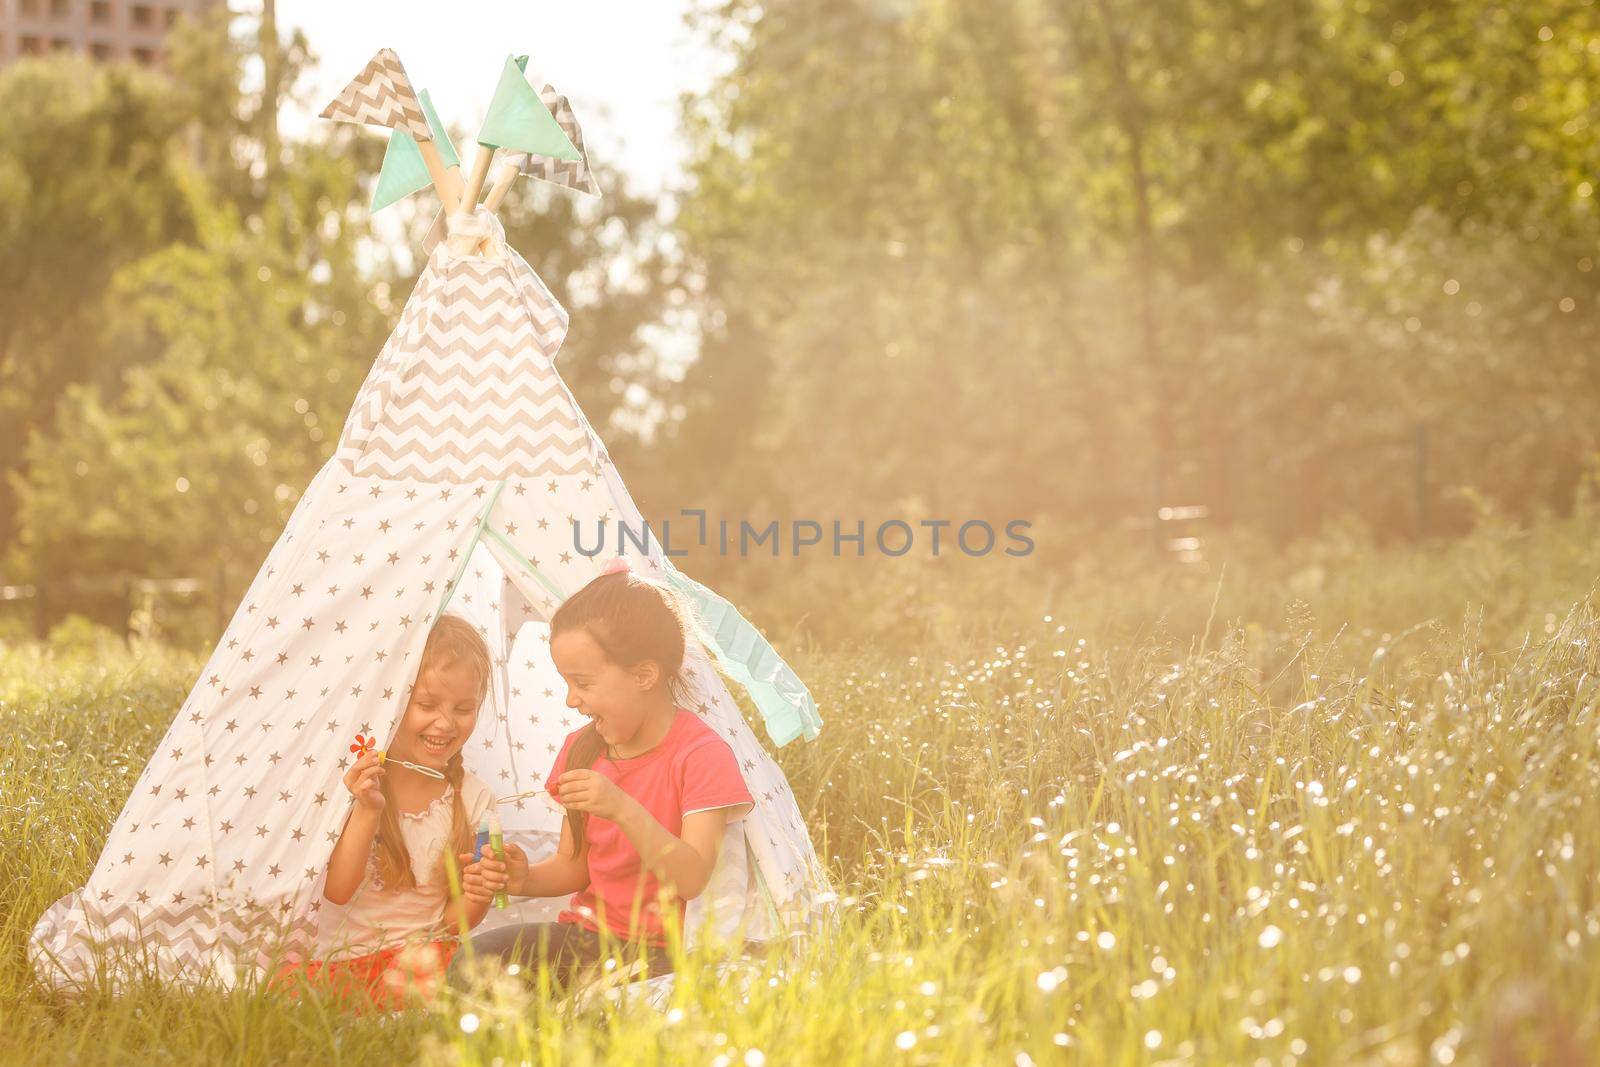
x: 1339, y: 805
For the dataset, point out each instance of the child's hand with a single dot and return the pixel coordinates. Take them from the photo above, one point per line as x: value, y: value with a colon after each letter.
x: 482, y: 878
x: 592, y: 792
x: 516, y: 870
x: 363, y: 781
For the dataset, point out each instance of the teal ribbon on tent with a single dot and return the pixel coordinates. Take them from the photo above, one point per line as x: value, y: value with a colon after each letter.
x: 524, y: 562
x: 466, y: 555
x: 785, y: 704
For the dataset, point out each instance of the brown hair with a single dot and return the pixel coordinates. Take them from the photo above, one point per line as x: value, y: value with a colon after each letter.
x: 632, y: 619
x: 452, y: 640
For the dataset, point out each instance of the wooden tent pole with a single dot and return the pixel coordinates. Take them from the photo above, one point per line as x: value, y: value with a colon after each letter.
x: 480, y: 172
x: 504, y: 178
x: 443, y: 181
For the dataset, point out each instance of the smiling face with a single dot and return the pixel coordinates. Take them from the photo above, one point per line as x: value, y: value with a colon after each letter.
x: 440, y: 715
x: 617, y: 698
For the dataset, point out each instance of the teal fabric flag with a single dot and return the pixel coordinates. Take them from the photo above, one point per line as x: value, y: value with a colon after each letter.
x: 518, y: 119
x: 403, y: 171
x: 441, y: 136
x: 785, y: 704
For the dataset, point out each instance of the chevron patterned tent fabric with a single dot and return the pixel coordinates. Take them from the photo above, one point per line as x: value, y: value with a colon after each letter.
x: 381, y: 95
x: 463, y: 481
x: 467, y: 388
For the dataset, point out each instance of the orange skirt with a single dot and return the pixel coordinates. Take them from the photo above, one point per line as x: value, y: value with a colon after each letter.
x: 381, y: 981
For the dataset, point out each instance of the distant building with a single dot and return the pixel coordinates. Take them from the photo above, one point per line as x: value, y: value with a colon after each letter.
x: 102, y: 29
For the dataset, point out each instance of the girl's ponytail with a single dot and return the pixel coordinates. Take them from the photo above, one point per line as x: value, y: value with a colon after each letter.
x: 462, y: 832
x: 586, y: 748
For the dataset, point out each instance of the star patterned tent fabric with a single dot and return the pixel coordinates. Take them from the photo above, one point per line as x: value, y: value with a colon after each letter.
x: 462, y: 468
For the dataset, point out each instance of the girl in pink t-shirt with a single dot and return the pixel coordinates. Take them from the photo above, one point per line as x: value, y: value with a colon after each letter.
x: 647, y: 786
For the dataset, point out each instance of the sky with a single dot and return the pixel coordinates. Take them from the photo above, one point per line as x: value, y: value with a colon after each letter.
x: 622, y: 63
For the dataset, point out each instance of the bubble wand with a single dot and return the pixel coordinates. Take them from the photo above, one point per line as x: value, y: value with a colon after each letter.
x: 529, y: 795
x: 364, y: 745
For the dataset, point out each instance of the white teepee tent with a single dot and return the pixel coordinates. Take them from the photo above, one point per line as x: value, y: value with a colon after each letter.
x: 462, y: 469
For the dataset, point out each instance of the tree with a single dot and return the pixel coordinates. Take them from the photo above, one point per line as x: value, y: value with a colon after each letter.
x: 1146, y: 252
x: 91, y: 179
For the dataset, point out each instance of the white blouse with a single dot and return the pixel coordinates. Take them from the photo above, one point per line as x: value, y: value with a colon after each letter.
x: 377, y: 916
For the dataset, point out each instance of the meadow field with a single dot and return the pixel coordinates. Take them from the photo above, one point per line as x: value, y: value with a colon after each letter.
x: 1336, y: 804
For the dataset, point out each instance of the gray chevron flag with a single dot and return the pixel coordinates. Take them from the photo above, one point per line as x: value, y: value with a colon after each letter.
x: 572, y: 173
x: 381, y: 95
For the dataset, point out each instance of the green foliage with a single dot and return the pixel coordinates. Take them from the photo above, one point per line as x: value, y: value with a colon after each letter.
x: 90, y: 179
x: 1343, y: 813
x: 1056, y: 260
x: 208, y: 445
x: 1078, y: 259
x: 76, y: 635
x: 224, y: 351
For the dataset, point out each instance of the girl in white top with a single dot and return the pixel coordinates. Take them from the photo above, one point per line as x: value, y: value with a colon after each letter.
x: 388, y: 866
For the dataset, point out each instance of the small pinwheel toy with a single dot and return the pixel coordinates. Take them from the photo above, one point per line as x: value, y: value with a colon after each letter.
x: 364, y: 744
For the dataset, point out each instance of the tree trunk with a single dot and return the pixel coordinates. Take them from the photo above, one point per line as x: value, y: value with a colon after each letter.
x: 271, y: 89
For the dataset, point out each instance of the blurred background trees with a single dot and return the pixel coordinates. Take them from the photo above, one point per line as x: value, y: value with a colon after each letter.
x: 1064, y: 260
x: 1091, y: 257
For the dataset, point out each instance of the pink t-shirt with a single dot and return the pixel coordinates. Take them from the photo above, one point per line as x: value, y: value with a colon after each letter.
x: 691, y: 770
